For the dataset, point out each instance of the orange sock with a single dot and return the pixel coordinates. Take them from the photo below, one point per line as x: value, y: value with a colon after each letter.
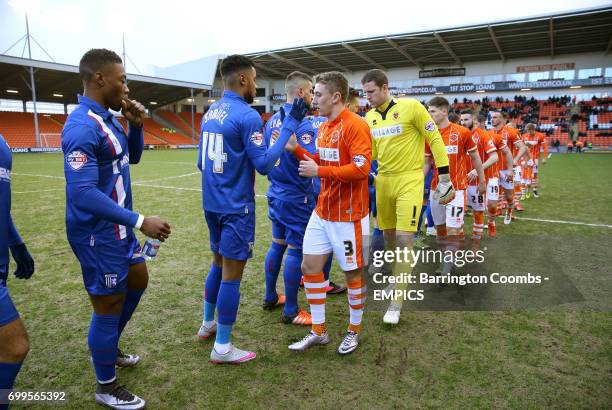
x: 356, y: 298
x: 315, y: 285
x: 478, y: 224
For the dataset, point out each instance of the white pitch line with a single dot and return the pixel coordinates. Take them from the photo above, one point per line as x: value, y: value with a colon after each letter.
x: 36, y: 175
x: 165, y: 178
x: 40, y: 190
x: 549, y: 155
x: 564, y: 222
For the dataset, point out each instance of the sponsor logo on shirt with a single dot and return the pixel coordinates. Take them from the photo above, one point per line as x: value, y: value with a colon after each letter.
x: 5, y: 174
x: 110, y: 280
x: 359, y: 160
x: 257, y: 138
x: 391, y: 131
x: 451, y: 149
x: 329, y: 154
x: 306, y: 138
x: 430, y: 126
x: 76, y: 160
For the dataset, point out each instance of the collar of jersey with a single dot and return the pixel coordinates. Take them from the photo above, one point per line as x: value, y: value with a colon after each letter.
x: 95, y: 107
x: 341, y: 115
x: 384, y: 107
x: 231, y: 94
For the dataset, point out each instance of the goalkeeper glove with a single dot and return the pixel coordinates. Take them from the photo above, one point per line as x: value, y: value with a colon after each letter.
x: 444, y: 192
x: 24, y: 261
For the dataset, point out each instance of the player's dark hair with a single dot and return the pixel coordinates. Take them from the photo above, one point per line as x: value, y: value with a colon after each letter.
x: 467, y: 111
x: 94, y: 60
x: 481, y: 118
x: 453, y: 117
x: 379, y: 77
x: 335, y: 81
x: 439, y: 102
x: 353, y: 94
x: 233, y: 64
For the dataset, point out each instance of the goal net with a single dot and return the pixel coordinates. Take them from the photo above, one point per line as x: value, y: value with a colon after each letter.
x: 51, y: 140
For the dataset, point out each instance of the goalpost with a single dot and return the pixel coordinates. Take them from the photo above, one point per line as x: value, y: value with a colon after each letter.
x: 51, y: 140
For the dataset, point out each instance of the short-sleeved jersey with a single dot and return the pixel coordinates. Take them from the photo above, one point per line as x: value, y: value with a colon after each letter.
x: 344, y: 156
x: 485, y: 146
x: 399, y: 130
x: 493, y: 170
x: 231, y: 134
x: 96, y: 155
x: 535, y: 142
x: 509, y: 137
x: 285, y: 182
x: 458, y: 141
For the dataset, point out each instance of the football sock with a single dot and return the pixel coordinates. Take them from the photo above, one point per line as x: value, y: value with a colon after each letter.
x: 292, y: 273
x: 132, y: 298
x: 227, y: 309
x: 274, y: 259
x: 102, y: 340
x: 356, y: 299
x: 211, y: 290
x: 315, y: 285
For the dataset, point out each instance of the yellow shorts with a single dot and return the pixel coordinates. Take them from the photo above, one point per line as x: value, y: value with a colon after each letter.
x: 399, y: 200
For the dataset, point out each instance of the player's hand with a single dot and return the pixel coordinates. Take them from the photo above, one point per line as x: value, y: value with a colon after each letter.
x: 298, y: 110
x: 472, y: 175
x: 308, y: 167
x: 155, y: 227
x: 24, y: 261
x: 444, y: 192
x: 292, y: 143
x: 133, y: 111
x: 482, y: 188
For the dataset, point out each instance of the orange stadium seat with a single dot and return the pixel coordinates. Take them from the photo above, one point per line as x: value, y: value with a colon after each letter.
x: 179, y: 123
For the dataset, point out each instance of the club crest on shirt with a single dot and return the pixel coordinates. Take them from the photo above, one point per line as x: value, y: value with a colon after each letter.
x: 76, y: 159
x: 335, y: 137
x: 453, y: 138
x: 257, y: 138
x: 359, y: 160
x: 430, y: 126
x: 396, y: 115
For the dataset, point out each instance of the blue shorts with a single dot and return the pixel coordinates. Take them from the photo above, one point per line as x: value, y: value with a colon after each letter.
x: 105, y: 267
x: 372, y: 196
x: 289, y: 219
x: 8, y: 313
x: 231, y: 235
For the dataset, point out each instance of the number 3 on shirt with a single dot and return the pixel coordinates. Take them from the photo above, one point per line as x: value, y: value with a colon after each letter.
x: 214, y: 150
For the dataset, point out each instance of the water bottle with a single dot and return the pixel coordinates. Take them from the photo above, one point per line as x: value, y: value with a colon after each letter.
x: 150, y: 249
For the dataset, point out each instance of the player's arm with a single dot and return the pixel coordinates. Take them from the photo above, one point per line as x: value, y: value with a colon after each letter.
x: 479, y: 170
x: 509, y: 160
x: 543, y: 154
x: 426, y: 127
x: 522, y: 150
x: 264, y: 159
x: 21, y: 255
x: 82, y: 187
x: 360, y: 151
x: 134, y: 112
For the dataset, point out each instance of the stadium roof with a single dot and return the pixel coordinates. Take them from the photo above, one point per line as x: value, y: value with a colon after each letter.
x: 586, y: 31
x: 60, y: 83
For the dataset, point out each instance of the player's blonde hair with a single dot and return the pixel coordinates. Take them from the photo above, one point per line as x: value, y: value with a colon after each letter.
x: 334, y: 81
x: 530, y: 127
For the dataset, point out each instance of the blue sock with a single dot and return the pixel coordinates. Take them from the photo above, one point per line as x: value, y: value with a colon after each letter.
x: 378, y: 240
x: 8, y: 374
x: 423, y: 211
x: 132, y: 298
x: 103, y: 338
x: 430, y: 221
x: 227, y: 309
x: 211, y: 290
x: 274, y: 258
x: 327, y: 267
x: 292, y: 273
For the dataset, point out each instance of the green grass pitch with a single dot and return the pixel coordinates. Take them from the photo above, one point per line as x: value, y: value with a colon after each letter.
x: 559, y: 357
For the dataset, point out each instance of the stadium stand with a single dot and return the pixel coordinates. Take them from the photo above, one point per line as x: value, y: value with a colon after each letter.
x: 180, y: 123
x: 18, y: 128
x: 186, y: 116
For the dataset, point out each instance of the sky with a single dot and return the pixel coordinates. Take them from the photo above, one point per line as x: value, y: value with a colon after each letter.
x: 164, y: 33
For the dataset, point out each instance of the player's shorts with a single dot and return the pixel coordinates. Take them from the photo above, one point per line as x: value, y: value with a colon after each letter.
x: 8, y: 312
x: 399, y: 200
x: 231, y: 235
x: 518, y: 175
x: 450, y: 214
x: 289, y: 219
x: 527, y: 174
x: 475, y: 200
x: 503, y: 175
x: 492, y: 189
x: 347, y: 240
x: 536, y: 164
x: 105, y: 266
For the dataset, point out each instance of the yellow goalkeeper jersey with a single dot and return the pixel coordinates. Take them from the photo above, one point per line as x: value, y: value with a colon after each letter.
x: 399, y: 130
